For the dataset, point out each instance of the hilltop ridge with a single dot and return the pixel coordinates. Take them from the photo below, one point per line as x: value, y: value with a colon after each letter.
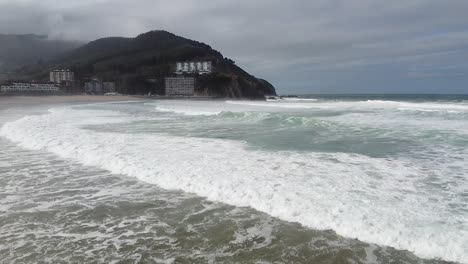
x: 131, y: 62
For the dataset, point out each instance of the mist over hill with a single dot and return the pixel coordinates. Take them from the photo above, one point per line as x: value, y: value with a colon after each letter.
x: 19, y: 50
x: 138, y: 65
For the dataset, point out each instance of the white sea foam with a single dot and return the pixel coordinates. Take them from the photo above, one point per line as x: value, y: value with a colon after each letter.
x: 292, y: 99
x: 362, y: 105
x: 300, y: 99
x: 421, y: 106
x: 269, y: 104
x: 179, y: 107
x: 378, y: 200
x: 185, y: 111
x: 195, y: 108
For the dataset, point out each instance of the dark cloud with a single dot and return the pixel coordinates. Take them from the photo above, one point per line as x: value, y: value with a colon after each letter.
x: 300, y: 45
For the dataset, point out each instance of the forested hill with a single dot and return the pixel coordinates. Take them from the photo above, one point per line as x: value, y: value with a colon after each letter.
x: 138, y: 65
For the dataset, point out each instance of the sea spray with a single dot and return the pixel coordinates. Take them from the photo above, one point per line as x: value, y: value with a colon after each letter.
x: 373, y: 199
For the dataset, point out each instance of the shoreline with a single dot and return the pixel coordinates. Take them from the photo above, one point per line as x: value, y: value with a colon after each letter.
x: 24, y: 101
x: 9, y: 101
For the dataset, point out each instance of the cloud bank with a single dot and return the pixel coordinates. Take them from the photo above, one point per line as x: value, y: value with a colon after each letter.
x: 335, y: 46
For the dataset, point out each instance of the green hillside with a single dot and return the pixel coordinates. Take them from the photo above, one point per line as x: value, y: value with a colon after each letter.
x: 132, y: 62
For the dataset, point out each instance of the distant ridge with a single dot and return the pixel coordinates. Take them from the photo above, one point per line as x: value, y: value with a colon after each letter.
x: 152, y: 56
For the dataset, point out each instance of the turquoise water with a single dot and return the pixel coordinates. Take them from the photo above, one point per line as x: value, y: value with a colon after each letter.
x: 329, y: 179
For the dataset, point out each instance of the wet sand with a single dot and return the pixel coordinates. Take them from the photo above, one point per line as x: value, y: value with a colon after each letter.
x: 21, y: 101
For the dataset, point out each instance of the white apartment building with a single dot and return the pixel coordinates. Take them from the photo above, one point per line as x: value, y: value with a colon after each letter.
x: 17, y: 87
x: 201, y: 67
x: 59, y: 76
x: 180, y: 86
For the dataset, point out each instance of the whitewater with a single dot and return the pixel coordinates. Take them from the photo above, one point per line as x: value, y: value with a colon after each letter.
x: 390, y: 173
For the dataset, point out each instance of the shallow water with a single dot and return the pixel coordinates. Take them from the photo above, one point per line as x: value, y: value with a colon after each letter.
x: 106, y: 182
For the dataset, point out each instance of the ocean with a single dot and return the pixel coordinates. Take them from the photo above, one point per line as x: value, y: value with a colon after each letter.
x: 313, y: 179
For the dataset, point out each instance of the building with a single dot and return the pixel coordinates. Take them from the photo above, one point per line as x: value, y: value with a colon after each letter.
x: 93, y: 87
x: 29, y: 88
x: 179, y: 86
x: 96, y: 86
x: 70, y: 87
x: 108, y: 87
x: 200, y: 67
x: 59, y: 76
x: 206, y: 67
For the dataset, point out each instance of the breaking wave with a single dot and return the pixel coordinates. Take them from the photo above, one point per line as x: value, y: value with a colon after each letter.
x: 369, y: 104
x: 378, y: 200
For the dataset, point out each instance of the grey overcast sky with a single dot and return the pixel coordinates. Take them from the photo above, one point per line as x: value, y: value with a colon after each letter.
x: 301, y: 46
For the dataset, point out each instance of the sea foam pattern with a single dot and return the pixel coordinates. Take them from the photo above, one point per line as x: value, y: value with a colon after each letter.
x: 392, y: 201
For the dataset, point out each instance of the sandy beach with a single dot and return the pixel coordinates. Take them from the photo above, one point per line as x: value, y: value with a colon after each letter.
x: 19, y: 101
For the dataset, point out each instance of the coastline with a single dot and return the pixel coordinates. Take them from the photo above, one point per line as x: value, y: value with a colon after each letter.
x: 8, y: 101
x: 26, y: 101
x: 21, y: 101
